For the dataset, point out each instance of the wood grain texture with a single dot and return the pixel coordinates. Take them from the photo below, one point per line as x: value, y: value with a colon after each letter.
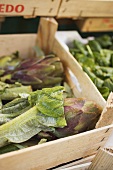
x: 46, y: 33
x: 32, y: 8
x: 56, y: 152
x: 102, y: 161
x: 75, y: 163
x: 95, y: 24
x: 23, y: 43
x: 107, y: 114
x: 86, y: 8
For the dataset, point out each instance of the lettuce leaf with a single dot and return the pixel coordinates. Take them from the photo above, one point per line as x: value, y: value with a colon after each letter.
x: 47, y: 113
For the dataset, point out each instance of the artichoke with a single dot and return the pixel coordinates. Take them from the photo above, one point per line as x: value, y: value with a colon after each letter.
x: 81, y: 115
x: 39, y: 71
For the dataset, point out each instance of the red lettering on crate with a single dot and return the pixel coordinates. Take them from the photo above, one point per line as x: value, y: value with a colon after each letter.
x: 11, y: 8
x: 2, y: 7
x: 19, y: 8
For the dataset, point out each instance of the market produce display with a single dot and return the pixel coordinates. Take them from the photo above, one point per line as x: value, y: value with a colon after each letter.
x: 48, y: 112
x: 36, y: 105
x: 96, y: 59
x: 39, y: 71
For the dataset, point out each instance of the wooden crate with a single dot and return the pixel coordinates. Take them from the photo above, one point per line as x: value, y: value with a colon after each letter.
x: 66, y: 149
x: 95, y: 24
x: 103, y: 160
x: 30, y: 8
x: 86, y: 8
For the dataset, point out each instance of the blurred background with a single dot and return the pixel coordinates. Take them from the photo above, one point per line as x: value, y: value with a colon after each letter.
x: 17, y: 25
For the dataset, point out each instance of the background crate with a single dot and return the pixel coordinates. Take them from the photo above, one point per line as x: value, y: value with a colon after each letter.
x: 66, y: 149
x: 86, y: 8
x: 30, y: 8
x: 95, y: 24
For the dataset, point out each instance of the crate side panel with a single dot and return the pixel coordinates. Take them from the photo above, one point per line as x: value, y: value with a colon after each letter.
x: 95, y: 24
x: 86, y: 8
x: 55, y: 152
x: 23, y: 43
x: 103, y: 160
x: 31, y: 8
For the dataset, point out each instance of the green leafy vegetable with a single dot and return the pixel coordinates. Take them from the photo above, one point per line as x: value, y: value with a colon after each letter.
x: 12, y: 91
x: 10, y: 148
x: 39, y: 117
x: 105, y: 41
x: 96, y: 59
x: 39, y: 71
x: 80, y: 47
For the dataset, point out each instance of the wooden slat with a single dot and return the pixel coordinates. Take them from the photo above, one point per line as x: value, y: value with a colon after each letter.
x: 75, y: 163
x: 95, y: 24
x: 79, y: 167
x: 12, y: 43
x: 103, y: 160
x: 55, y: 152
x: 32, y: 8
x: 86, y: 8
x: 46, y: 33
x: 107, y: 114
x: 84, y: 87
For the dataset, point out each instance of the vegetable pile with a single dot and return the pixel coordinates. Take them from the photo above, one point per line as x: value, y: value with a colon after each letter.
x: 96, y: 59
x: 45, y: 115
x: 35, y: 106
x: 39, y: 71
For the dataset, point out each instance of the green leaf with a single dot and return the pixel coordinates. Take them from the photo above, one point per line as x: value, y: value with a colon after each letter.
x: 47, y: 113
x: 94, y: 45
x: 50, y: 121
x: 54, y: 101
x: 10, y: 93
x: 108, y: 83
x: 85, y: 60
x: 98, y: 82
x: 80, y: 47
x: 38, y: 51
x: 104, y: 91
x: 105, y: 41
x: 49, y: 101
x: 43, y: 140
x: 4, y: 118
x: 21, y: 128
x: 15, y: 105
x: 68, y: 91
x: 10, y: 148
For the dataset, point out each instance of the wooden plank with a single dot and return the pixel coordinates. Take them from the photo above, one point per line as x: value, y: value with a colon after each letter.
x: 79, y: 167
x: 103, y: 160
x: 86, y: 8
x: 31, y: 8
x: 14, y: 43
x: 46, y: 33
x: 107, y: 114
x: 75, y: 163
x: 82, y: 86
x: 55, y: 152
x: 95, y: 24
